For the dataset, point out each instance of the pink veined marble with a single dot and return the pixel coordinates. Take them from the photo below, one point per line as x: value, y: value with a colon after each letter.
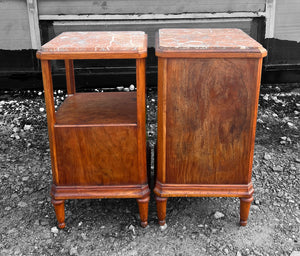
x: 115, y: 41
x: 206, y: 39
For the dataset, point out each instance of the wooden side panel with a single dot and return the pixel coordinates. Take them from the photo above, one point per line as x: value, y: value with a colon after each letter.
x: 96, y: 156
x: 287, y: 20
x: 146, y: 6
x: 14, y: 25
x: 210, y: 105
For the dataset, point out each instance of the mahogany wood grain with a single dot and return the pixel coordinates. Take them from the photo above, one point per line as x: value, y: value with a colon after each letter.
x: 59, y: 207
x: 109, y: 108
x: 207, y: 108
x: 210, y: 120
x: 51, y: 119
x: 97, y: 140
x: 143, y: 209
x: 70, y: 77
x: 110, y: 191
x: 203, y: 190
x: 161, y: 204
x: 141, y: 118
x: 245, y: 204
x: 89, y: 55
x: 161, y: 119
x: 97, y: 155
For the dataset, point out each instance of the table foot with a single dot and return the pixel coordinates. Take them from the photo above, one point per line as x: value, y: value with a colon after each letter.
x: 59, y: 206
x: 245, y: 204
x: 161, y: 205
x: 143, y: 209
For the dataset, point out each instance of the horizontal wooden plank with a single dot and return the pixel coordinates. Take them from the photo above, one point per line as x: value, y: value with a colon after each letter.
x: 287, y: 20
x: 47, y: 7
x: 122, y: 17
x: 14, y: 25
x: 150, y: 27
x: 12, y: 5
x: 12, y: 14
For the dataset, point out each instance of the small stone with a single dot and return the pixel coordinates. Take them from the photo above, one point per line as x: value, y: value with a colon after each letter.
x: 293, y: 126
x: 126, y: 89
x: 45, y: 235
x: 226, y: 251
x: 73, y: 251
x: 45, y: 222
x: 277, y: 168
x: 40, y: 93
x: 41, y: 109
x: 267, y: 156
x: 218, y: 215
x: 80, y: 223
x: 54, y: 230
x: 27, y: 127
x: 13, y: 230
x: 257, y: 202
x: 295, y: 253
x: 132, y: 228
x: 297, y: 160
x: 16, y: 129
x: 8, y: 208
x: 84, y: 237
x: 131, y: 87
x: 22, y: 204
x: 25, y: 178
x: 14, y: 195
x: 120, y: 88
x: 164, y: 227
x: 238, y: 253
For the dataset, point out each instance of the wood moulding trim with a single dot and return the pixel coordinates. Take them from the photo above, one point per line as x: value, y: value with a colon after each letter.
x: 90, y: 55
x: 206, y: 54
x: 86, y: 192
x: 123, y: 17
x: 203, y: 190
x: 94, y: 125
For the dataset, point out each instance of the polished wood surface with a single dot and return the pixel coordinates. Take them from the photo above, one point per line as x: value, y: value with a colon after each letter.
x: 70, y: 76
x: 97, y: 155
x: 97, y: 140
x: 209, y: 121
x: 118, y: 108
x: 208, y: 88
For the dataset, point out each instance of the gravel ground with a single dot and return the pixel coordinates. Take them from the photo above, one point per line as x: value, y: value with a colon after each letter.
x: 196, y: 226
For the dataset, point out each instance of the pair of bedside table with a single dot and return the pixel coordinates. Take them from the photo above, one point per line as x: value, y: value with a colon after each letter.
x: 208, y: 86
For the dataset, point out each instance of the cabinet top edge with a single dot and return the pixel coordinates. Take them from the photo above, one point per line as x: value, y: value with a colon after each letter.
x: 206, y: 41
x: 97, y: 42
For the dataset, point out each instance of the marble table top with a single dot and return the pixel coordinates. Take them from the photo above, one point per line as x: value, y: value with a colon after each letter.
x: 114, y: 41
x: 205, y: 40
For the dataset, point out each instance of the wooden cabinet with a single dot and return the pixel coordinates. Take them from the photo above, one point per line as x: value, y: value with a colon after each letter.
x: 208, y: 88
x: 97, y: 140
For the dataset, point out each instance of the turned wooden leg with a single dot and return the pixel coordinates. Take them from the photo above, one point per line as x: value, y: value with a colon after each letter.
x: 245, y: 204
x: 59, y: 206
x: 161, y: 205
x: 143, y: 209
